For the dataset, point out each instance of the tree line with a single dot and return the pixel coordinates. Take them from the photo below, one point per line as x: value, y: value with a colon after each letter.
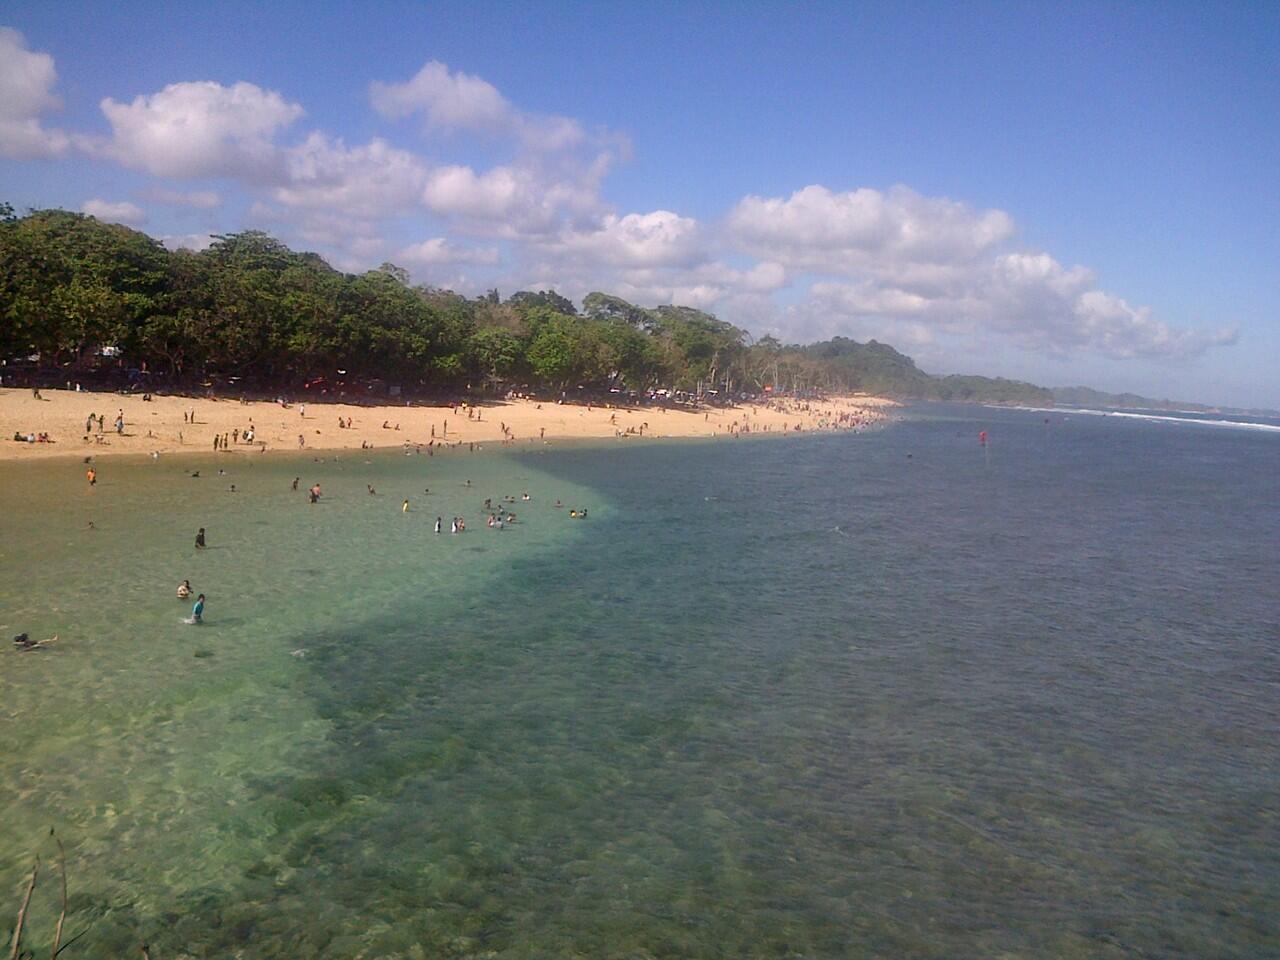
x: 80, y: 294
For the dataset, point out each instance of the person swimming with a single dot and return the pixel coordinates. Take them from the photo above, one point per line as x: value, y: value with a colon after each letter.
x: 184, y: 589
x: 24, y: 642
x: 197, y: 612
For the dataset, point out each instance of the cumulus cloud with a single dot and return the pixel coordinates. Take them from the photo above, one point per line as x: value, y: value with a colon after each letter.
x: 200, y: 129
x: 453, y: 100
x: 27, y: 79
x: 1029, y: 299
x: 863, y: 229
x: 374, y: 180
x: 121, y: 211
x: 659, y: 238
x: 508, y: 201
x: 200, y: 199
x: 920, y: 265
x: 439, y: 250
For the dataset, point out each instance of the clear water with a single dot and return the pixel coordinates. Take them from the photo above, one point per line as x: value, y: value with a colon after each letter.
x: 846, y: 696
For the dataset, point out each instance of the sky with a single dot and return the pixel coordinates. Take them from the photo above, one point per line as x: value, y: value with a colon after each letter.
x: 1063, y: 193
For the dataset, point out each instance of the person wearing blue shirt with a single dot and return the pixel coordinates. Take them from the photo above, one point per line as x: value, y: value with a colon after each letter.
x: 197, y: 612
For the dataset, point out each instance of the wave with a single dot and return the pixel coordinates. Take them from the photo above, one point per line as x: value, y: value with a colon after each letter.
x: 1158, y: 418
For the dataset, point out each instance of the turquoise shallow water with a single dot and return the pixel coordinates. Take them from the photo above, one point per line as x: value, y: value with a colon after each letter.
x: 802, y: 698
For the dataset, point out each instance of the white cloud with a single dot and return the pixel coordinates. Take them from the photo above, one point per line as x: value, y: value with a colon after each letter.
x: 868, y: 299
x: 764, y: 277
x: 374, y: 180
x: 194, y: 242
x: 27, y: 79
x: 450, y: 100
x: 460, y: 191
x: 447, y: 100
x: 508, y: 201
x: 1030, y: 300
x: 439, y: 250
x: 200, y: 199
x: 919, y: 265
x: 659, y: 238
x: 200, y: 129
x: 864, y: 229
x: 114, y: 212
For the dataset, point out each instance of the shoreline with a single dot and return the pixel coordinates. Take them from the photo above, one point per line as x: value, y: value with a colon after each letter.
x: 176, y: 424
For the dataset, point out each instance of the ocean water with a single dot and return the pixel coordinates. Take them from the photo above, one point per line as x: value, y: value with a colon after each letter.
x: 886, y: 695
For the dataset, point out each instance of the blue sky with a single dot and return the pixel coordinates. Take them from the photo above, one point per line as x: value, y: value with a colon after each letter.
x: 1063, y: 193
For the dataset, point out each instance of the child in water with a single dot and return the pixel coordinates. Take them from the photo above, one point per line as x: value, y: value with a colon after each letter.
x: 197, y: 612
x: 184, y: 589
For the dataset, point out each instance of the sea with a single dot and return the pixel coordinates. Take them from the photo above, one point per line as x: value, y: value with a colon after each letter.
x: 895, y: 694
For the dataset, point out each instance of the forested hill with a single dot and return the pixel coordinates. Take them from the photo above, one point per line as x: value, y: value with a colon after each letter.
x: 1088, y: 397
x: 99, y: 300
x: 878, y: 368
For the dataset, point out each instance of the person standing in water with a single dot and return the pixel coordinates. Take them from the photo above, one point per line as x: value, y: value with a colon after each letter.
x: 405, y: 508
x: 439, y: 521
x: 200, y: 544
x: 92, y: 476
x: 197, y: 612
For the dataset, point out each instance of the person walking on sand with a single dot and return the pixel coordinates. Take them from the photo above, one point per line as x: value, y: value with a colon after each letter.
x: 200, y: 544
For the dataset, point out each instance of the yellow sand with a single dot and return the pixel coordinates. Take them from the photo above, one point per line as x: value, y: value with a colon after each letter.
x: 158, y: 425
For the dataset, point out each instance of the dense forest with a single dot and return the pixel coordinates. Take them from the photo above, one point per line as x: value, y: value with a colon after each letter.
x: 97, y: 300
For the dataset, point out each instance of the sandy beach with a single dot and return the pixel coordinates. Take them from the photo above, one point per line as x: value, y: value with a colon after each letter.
x: 172, y: 424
